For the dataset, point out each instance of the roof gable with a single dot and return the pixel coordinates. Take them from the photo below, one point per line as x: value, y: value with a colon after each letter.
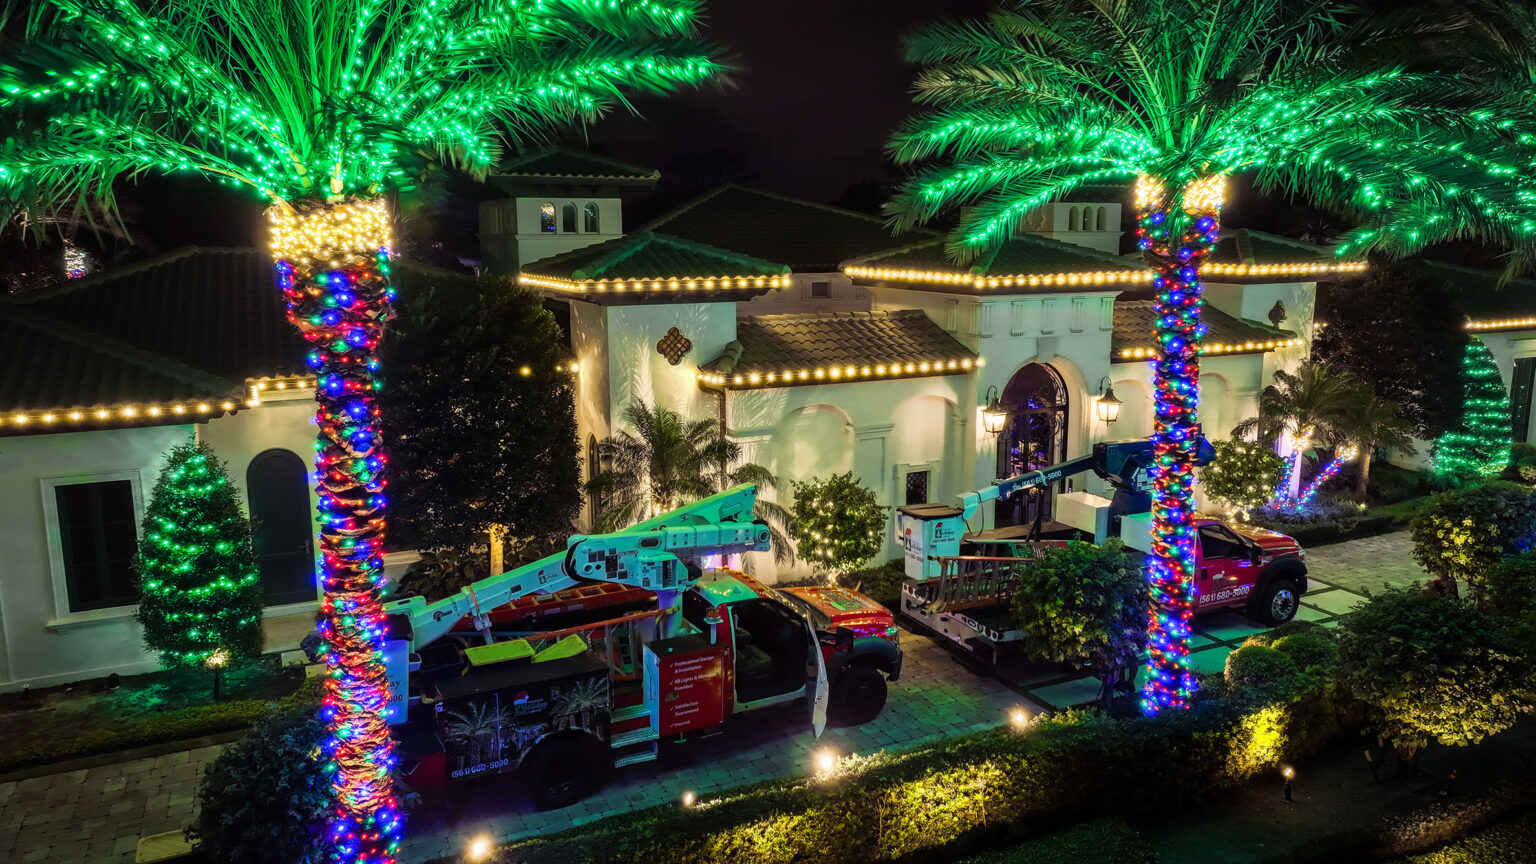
x: 1256, y: 256
x: 809, y: 237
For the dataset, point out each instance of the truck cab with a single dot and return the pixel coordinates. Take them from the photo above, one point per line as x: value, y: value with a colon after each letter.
x: 1245, y: 566
x: 766, y: 643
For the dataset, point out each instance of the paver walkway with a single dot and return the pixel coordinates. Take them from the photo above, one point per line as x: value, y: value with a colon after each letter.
x: 99, y: 814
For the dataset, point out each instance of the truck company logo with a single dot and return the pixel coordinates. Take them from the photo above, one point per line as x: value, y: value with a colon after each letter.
x: 523, y: 703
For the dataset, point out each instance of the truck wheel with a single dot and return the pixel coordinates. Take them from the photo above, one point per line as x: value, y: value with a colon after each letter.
x: 858, y: 694
x: 559, y: 773
x: 1278, y: 603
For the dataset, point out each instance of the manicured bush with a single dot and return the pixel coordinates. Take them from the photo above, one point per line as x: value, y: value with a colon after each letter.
x: 1322, y: 529
x: 1258, y: 666
x: 1309, y: 649
x: 1391, y: 485
x: 947, y: 797
x: 1243, y: 474
x: 265, y: 800
x: 1464, y: 534
x: 1510, y: 597
x: 1101, y: 841
x: 1431, y: 668
x: 1083, y: 603
x: 836, y: 524
x: 881, y: 584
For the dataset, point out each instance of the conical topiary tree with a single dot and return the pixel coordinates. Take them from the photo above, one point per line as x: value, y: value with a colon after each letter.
x: 196, y: 566
x: 1479, y: 443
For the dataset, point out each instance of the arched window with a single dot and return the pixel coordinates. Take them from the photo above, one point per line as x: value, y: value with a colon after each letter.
x: 282, y: 530
x: 1072, y: 219
x: 1087, y: 218
x: 1098, y: 220
x: 547, y: 217
x: 568, y: 218
x: 589, y: 213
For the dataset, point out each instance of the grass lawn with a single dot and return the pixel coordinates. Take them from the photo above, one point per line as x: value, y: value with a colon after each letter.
x: 116, y: 712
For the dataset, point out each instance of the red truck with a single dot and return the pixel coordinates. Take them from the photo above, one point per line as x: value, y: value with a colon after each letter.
x: 1248, y: 567
x: 591, y: 657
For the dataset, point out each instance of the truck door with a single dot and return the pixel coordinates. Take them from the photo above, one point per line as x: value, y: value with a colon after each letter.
x: 1222, y: 560
x: 770, y: 649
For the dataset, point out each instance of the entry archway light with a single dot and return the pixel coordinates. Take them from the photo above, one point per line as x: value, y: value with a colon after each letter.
x: 1107, y: 406
x: 994, y: 415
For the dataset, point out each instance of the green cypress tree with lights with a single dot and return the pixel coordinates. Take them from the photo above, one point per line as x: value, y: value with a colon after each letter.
x: 201, y: 596
x: 1478, y: 445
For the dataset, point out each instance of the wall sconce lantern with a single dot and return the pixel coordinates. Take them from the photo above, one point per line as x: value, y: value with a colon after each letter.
x: 1107, y: 407
x: 994, y: 415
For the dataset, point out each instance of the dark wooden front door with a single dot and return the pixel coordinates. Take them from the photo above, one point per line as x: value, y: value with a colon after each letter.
x: 277, y: 484
x: 1035, y: 438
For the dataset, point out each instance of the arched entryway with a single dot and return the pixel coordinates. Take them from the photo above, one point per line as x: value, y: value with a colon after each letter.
x: 1034, y: 438
x: 277, y: 486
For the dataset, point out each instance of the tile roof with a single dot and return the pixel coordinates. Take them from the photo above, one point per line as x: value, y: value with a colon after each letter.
x: 821, y: 348
x: 809, y: 237
x: 214, y: 309
x: 565, y: 163
x: 1488, y: 306
x: 49, y: 366
x: 1134, y: 325
x: 1026, y: 262
x: 649, y: 265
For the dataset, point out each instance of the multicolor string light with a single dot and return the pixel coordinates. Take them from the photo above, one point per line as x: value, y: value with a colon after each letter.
x: 333, y: 267
x: 1283, y: 499
x: 1175, y: 237
x: 1328, y: 472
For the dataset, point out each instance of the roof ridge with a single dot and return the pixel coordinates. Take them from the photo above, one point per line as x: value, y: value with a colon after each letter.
x: 1477, y: 271
x: 752, y: 190
x: 524, y: 158
x: 106, y: 345
x: 1281, y: 238
x: 69, y: 286
x: 1024, y: 237
x: 620, y: 249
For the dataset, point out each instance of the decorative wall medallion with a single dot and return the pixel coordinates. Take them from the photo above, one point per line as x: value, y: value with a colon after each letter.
x: 673, y: 346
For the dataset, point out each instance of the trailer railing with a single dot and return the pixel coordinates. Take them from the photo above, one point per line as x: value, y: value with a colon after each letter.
x: 968, y: 582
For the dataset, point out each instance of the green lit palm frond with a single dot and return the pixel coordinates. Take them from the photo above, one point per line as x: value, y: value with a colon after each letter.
x: 317, y: 98
x: 1311, y: 96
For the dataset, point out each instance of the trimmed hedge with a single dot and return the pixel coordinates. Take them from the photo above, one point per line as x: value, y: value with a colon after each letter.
x: 174, y: 725
x: 959, y: 795
x: 1310, y: 534
x: 1102, y: 841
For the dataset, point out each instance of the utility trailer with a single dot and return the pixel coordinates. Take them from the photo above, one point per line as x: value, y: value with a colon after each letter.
x: 582, y: 662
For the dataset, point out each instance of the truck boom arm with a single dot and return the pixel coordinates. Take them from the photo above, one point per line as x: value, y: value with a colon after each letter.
x: 649, y: 555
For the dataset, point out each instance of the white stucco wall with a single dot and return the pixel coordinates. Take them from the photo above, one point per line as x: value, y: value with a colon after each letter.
x: 510, y: 234
x: 41, y: 641
x: 798, y: 297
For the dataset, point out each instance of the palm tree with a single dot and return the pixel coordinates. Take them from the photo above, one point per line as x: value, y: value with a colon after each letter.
x: 1370, y: 422
x: 668, y: 462
x: 1040, y: 98
x: 322, y: 108
x: 1317, y: 396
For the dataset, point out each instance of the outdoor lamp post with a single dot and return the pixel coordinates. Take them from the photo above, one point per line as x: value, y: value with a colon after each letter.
x: 994, y: 415
x: 1107, y: 407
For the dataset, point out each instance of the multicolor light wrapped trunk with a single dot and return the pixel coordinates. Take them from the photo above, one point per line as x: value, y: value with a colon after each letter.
x: 333, y: 267
x: 1174, y: 236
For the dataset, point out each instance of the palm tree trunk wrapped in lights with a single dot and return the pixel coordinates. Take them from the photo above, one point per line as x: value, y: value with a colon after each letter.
x: 1174, y: 237
x: 333, y: 269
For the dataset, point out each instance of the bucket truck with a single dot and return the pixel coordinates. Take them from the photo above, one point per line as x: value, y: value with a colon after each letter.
x: 562, y: 669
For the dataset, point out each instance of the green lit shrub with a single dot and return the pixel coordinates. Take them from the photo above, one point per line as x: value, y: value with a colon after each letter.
x: 836, y: 524
x: 1258, y: 666
x: 265, y: 800
x: 1464, y: 534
